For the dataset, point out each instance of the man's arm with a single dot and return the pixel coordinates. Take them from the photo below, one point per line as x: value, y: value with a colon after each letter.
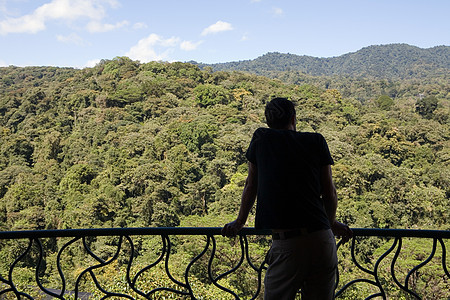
x: 329, y: 197
x: 247, y: 201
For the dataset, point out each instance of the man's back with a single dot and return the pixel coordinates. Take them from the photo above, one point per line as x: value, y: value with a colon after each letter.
x: 289, y: 165
x: 290, y: 174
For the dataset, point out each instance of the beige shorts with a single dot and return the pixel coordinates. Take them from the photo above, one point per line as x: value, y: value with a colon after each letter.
x: 306, y: 262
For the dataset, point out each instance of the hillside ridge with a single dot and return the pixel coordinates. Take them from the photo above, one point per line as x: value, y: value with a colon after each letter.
x: 391, y: 61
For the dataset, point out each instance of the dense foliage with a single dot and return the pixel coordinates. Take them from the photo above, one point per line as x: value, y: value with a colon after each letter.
x: 126, y: 144
x: 393, y: 61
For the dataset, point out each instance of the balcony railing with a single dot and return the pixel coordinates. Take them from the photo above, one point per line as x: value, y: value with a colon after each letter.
x: 371, y: 273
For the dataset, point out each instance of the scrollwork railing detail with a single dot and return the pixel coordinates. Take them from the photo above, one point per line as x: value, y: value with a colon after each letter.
x: 184, y: 288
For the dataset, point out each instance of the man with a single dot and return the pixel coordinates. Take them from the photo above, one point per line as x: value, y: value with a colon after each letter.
x: 289, y: 172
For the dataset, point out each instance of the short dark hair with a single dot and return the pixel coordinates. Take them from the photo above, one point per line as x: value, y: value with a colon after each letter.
x: 279, y: 112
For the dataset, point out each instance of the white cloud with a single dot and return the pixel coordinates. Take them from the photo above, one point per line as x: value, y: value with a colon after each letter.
x: 72, y: 38
x: 153, y: 48
x: 3, y: 64
x: 244, y: 37
x: 139, y: 25
x: 67, y: 10
x: 27, y: 24
x: 219, y: 26
x: 92, y: 63
x: 96, y: 26
x: 156, y: 48
x: 189, y: 46
x: 277, y: 11
x: 72, y: 10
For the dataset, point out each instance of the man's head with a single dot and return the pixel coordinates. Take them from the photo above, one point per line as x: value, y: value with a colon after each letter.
x: 279, y: 113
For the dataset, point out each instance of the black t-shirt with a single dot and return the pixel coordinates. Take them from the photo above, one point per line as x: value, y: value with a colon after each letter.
x: 289, y: 188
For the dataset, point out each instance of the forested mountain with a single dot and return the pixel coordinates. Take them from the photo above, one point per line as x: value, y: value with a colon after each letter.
x: 393, y: 61
x: 126, y: 144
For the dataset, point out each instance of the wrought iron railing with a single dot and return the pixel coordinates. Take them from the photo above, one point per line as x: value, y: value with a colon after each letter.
x: 393, y: 241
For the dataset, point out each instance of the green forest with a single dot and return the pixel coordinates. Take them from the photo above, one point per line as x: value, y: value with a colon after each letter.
x: 130, y: 144
x: 391, y: 61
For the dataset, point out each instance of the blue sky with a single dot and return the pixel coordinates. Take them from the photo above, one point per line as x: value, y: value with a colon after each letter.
x: 78, y: 33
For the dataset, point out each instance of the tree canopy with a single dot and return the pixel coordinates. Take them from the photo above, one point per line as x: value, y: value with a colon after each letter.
x: 126, y: 144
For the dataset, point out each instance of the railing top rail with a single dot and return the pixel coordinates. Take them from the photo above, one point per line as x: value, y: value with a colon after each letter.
x: 204, y: 231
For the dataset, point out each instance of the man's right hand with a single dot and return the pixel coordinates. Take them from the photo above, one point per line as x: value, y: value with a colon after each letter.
x: 232, y: 228
x: 342, y: 230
